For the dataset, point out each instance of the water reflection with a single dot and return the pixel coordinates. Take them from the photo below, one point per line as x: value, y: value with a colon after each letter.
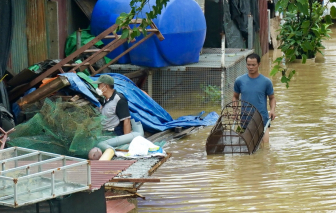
x: 295, y: 172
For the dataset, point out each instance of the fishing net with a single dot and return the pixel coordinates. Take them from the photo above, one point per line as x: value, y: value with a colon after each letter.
x: 61, y: 127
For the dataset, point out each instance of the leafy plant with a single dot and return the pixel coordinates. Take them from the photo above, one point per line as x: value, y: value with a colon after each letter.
x: 212, y: 93
x: 301, y: 34
x: 137, y: 7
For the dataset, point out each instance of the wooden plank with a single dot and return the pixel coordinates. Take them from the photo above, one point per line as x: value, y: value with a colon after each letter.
x: 135, y: 180
x: 124, y: 53
x: 121, y: 196
x: 111, y: 37
x: 74, y: 65
x: 158, y: 135
x: 184, y: 132
x: 154, y: 168
x: 74, y: 98
x: 136, y: 74
x: 131, y: 190
x: 100, y: 54
x: 96, y: 50
x: 52, y: 29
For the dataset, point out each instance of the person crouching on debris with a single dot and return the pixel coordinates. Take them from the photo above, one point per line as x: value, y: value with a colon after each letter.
x: 116, y: 115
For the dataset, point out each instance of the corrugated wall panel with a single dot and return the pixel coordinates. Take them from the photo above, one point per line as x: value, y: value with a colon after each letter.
x: 36, y: 31
x: 263, y: 33
x: 62, y: 25
x: 18, y: 58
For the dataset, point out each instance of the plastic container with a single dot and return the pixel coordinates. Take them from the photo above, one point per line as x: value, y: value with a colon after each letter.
x: 103, y: 16
x: 182, y: 23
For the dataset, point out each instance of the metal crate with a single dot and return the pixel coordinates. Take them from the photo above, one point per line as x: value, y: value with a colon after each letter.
x: 29, y: 176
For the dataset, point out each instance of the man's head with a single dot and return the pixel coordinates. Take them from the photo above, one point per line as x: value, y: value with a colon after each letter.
x: 105, y: 84
x: 252, y: 63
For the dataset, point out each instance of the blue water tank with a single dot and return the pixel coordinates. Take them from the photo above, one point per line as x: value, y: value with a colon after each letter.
x: 182, y: 23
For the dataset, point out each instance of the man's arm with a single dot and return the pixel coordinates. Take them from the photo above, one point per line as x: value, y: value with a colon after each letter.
x: 235, y: 96
x: 127, y: 126
x: 123, y: 114
x: 272, y: 103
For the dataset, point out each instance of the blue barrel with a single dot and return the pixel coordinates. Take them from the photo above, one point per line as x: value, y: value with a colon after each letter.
x: 103, y: 16
x: 182, y: 23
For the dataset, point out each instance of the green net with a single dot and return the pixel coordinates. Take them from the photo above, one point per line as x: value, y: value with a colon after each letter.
x: 62, y: 128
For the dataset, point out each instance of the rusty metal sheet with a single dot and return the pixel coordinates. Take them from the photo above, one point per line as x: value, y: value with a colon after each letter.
x: 19, y: 52
x: 103, y: 171
x: 263, y: 33
x: 86, y: 6
x: 36, y: 31
x: 44, y: 91
x: 62, y: 25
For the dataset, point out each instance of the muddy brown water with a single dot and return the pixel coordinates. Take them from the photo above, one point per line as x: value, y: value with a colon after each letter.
x: 295, y: 172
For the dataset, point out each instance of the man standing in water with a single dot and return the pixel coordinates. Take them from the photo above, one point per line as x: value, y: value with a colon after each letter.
x: 254, y: 88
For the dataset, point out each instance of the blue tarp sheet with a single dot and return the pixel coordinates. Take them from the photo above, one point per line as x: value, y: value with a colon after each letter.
x: 142, y: 107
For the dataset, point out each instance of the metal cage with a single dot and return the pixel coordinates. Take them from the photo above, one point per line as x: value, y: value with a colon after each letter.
x: 239, y: 129
x: 29, y: 176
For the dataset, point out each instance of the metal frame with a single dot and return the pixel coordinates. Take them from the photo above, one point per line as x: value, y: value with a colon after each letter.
x: 225, y: 138
x: 76, y: 162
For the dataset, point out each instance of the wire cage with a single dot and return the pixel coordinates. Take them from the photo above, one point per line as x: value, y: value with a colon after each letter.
x: 239, y: 129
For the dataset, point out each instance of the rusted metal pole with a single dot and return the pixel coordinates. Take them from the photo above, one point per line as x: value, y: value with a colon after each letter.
x: 44, y: 91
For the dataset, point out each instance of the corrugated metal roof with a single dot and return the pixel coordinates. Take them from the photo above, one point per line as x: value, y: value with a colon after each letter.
x: 119, y: 206
x: 19, y: 59
x: 103, y: 171
x: 36, y: 31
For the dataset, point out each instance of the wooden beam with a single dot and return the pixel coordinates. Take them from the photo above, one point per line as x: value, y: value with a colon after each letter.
x: 184, y: 132
x: 124, y: 53
x: 136, y: 74
x: 135, y: 180
x: 158, y: 135
x: 120, y: 196
x: 152, y: 170
x: 113, y: 197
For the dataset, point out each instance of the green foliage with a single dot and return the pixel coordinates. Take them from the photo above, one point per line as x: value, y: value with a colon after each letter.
x: 137, y: 6
x: 240, y: 130
x: 286, y: 74
x: 301, y: 34
x: 212, y: 93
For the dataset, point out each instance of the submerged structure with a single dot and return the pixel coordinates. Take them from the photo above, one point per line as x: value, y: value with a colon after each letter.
x: 239, y: 129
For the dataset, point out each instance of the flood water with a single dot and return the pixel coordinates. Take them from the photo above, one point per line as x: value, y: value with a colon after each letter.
x: 295, y: 172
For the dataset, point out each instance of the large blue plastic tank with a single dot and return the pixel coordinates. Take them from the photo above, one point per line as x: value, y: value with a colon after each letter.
x: 182, y: 23
x: 104, y: 16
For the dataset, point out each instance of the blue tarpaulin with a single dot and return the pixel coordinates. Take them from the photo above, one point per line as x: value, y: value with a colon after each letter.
x: 142, y: 107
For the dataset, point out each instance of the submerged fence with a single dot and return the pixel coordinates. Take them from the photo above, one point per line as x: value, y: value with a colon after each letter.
x: 189, y: 89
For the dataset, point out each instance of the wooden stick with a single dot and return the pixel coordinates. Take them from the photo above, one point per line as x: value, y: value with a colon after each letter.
x: 136, y: 180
